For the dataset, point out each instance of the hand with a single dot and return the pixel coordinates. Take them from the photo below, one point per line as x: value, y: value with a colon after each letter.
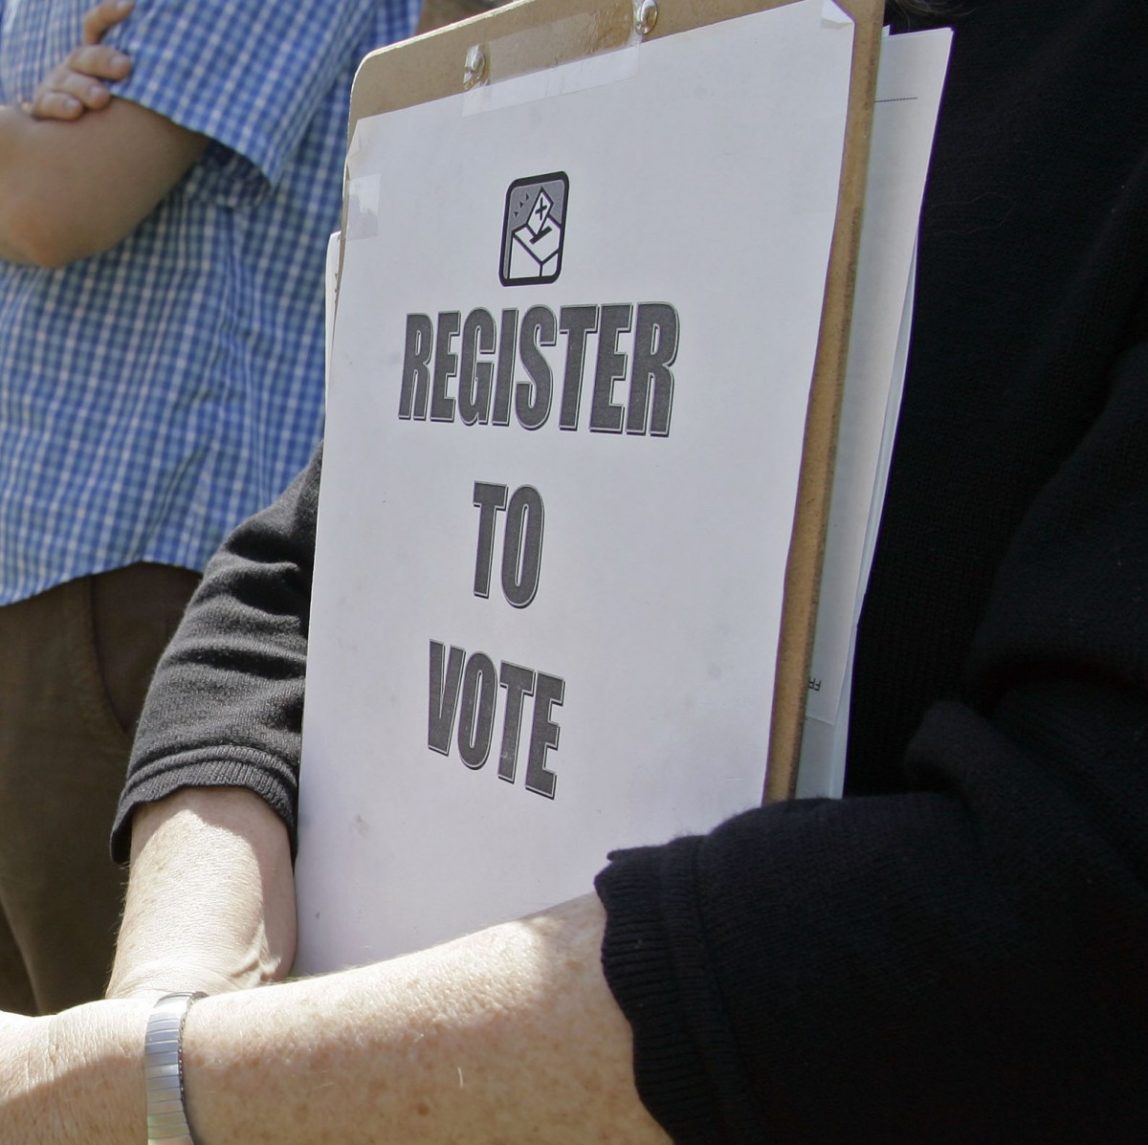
x: 77, y: 85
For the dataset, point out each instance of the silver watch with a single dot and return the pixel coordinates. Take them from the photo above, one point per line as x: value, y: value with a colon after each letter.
x: 163, y: 1071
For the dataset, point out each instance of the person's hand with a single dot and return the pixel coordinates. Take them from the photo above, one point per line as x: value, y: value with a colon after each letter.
x: 79, y: 84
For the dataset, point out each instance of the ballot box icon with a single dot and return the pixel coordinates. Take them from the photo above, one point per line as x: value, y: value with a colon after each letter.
x: 534, y: 229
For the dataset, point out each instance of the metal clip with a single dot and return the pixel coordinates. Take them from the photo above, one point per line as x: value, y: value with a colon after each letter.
x: 474, y: 69
x: 645, y: 16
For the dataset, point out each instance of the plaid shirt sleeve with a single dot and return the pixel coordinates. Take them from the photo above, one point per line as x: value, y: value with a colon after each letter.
x: 250, y: 75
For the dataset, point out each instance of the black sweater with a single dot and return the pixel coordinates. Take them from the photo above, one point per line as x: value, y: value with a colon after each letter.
x: 958, y: 950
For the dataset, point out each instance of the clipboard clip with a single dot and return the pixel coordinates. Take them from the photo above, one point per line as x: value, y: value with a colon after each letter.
x: 476, y: 65
x: 645, y: 16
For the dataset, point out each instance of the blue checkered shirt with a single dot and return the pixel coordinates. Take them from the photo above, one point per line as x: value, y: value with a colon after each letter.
x: 155, y: 395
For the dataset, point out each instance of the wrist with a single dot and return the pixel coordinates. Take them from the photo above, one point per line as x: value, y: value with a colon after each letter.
x: 151, y: 981
x: 167, y: 1122
x: 88, y: 1082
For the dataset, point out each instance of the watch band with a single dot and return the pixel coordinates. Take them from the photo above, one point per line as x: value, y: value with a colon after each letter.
x: 163, y: 1071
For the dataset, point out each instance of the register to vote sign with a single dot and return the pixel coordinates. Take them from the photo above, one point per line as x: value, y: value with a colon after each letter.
x: 575, y: 336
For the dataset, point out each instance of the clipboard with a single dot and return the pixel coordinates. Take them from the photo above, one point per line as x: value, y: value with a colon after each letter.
x: 487, y: 55
x: 531, y: 35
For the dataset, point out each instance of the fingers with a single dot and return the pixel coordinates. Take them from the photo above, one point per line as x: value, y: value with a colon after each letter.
x: 53, y: 105
x: 79, y: 83
x: 97, y: 62
x: 76, y: 85
x: 103, y: 16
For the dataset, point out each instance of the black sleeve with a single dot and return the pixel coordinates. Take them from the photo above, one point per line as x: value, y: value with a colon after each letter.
x: 225, y: 707
x: 963, y: 961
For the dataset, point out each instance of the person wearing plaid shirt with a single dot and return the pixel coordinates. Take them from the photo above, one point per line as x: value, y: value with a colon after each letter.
x: 161, y: 364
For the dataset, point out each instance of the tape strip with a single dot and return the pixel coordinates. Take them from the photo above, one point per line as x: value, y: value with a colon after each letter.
x: 525, y: 66
x: 363, y: 195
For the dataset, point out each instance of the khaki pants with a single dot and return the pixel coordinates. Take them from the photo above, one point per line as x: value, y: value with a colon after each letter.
x: 75, y: 663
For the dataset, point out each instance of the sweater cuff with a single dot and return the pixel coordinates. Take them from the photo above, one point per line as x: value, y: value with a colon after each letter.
x: 650, y: 986
x: 204, y: 768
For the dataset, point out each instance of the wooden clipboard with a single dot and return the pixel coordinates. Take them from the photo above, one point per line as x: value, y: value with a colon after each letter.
x: 532, y: 35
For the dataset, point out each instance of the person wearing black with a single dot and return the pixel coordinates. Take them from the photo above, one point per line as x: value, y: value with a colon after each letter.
x: 954, y: 951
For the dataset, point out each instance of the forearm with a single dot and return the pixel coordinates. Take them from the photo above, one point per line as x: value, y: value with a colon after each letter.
x: 509, y: 1035
x: 210, y: 903
x: 13, y: 127
x: 214, y: 753
x: 72, y: 190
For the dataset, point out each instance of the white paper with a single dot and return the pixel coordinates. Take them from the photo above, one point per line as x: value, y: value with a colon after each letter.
x: 909, y: 86
x: 700, y: 191
x: 330, y: 297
